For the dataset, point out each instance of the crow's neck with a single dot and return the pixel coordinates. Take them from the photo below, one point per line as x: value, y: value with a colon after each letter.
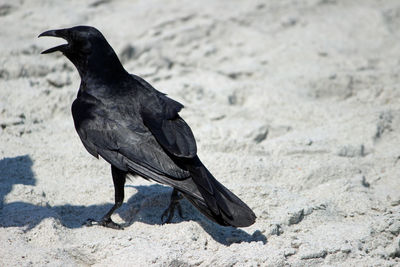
x: 102, y: 66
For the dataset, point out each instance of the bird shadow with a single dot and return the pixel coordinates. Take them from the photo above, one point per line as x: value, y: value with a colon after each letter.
x: 146, y: 206
x: 16, y: 170
x: 149, y: 202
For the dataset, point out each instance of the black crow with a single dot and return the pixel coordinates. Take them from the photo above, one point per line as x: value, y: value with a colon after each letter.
x: 138, y: 130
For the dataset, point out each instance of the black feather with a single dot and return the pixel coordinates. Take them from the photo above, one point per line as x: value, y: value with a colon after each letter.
x: 138, y: 130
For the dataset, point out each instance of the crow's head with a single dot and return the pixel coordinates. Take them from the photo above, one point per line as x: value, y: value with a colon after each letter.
x: 86, y: 47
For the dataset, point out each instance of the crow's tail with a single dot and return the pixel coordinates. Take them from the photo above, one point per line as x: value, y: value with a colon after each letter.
x: 217, y: 202
x: 207, y: 194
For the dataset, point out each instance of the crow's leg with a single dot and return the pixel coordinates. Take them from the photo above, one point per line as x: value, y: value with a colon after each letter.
x: 169, y: 212
x: 119, y: 178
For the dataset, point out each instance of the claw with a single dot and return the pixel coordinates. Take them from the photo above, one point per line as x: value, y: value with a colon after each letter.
x: 169, y: 212
x: 110, y: 224
x: 89, y: 222
x: 103, y: 222
x: 179, y: 210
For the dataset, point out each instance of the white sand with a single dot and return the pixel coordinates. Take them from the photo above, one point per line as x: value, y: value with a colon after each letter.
x: 295, y: 106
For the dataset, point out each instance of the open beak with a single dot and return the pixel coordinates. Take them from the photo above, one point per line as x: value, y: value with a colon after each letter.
x: 55, y: 33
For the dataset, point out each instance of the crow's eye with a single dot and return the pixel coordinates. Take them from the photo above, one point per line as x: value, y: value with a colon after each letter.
x: 81, y: 42
x: 86, y: 47
x: 78, y: 38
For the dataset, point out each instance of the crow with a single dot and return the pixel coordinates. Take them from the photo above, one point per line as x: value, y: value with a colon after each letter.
x: 138, y: 130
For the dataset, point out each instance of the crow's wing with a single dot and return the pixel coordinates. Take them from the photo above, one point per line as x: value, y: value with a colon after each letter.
x: 121, y: 139
x: 174, y: 134
x: 160, y: 115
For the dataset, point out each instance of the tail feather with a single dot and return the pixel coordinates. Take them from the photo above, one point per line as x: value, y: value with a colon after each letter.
x: 218, y: 203
x: 207, y: 194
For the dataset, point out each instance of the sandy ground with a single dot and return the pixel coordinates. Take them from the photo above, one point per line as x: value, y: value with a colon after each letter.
x: 295, y: 106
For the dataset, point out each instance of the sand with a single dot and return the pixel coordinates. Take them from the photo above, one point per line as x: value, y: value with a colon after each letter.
x: 295, y: 106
